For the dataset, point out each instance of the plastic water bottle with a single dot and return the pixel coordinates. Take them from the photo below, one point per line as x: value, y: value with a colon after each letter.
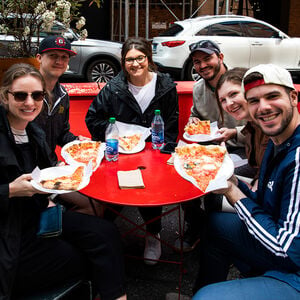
x: 112, y: 141
x: 157, y: 130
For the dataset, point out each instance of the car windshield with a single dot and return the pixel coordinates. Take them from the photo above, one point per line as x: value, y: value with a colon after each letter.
x: 173, y: 30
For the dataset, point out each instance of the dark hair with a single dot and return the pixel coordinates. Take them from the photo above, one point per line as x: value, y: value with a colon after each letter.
x: 140, y: 44
x: 235, y: 76
x: 14, y: 72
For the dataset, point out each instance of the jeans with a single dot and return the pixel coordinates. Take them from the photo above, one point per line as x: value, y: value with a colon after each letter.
x: 257, y: 288
x: 228, y: 241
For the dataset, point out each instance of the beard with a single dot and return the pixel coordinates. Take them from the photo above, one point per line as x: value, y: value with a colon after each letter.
x: 216, y: 70
x: 284, y: 124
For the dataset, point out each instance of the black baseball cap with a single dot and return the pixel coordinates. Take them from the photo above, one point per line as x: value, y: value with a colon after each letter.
x: 206, y: 46
x: 52, y: 42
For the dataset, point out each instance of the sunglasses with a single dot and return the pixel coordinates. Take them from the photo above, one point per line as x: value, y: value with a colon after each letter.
x: 204, y: 44
x: 22, y: 96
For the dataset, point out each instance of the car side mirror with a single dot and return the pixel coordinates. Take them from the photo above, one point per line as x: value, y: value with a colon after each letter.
x: 69, y: 36
x: 278, y: 35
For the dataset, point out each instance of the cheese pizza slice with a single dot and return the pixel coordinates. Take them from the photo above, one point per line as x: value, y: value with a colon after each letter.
x: 84, y: 152
x: 201, y: 162
x: 202, y: 127
x: 129, y: 142
x: 67, y: 182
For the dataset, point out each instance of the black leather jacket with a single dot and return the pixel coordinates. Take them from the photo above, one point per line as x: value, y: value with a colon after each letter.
x: 115, y: 100
x: 17, y: 211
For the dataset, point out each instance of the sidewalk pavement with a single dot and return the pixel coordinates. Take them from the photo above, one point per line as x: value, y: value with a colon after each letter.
x: 161, y: 281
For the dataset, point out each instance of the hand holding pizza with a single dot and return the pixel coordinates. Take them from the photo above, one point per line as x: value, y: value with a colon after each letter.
x: 21, y: 187
x: 193, y: 120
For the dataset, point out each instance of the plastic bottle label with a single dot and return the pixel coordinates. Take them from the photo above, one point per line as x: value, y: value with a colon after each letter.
x: 112, y: 146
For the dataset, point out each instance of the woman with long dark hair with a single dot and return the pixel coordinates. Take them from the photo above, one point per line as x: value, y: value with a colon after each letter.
x: 132, y: 97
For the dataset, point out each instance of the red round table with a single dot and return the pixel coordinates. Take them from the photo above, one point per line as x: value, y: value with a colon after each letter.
x: 163, y: 185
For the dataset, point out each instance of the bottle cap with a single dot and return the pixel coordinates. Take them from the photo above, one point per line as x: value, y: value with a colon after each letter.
x: 112, y: 120
x: 157, y: 112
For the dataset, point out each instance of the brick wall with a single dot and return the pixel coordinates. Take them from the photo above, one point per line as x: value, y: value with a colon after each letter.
x: 160, y: 18
x: 294, y: 16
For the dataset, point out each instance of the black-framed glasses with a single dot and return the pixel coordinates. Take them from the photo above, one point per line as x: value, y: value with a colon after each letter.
x: 22, y: 96
x: 139, y: 59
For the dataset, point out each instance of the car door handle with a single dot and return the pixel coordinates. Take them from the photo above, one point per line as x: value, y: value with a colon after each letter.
x: 256, y: 44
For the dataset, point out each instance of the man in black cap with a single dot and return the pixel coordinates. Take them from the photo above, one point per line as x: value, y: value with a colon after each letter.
x: 208, y: 63
x: 54, y: 55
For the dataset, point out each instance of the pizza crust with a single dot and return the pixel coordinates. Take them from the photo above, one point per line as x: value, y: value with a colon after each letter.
x: 67, y: 182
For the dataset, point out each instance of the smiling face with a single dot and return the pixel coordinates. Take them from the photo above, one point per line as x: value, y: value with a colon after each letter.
x: 134, y: 68
x: 274, y: 110
x: 20, y: 113
x: 53, y: 63
x: 233, y: 101
x: 206, y: 65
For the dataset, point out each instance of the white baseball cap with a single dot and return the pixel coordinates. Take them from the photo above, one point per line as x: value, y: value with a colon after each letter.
x: 272, y: 74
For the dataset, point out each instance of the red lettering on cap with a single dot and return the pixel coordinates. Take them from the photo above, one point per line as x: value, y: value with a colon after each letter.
x: 253, y: 84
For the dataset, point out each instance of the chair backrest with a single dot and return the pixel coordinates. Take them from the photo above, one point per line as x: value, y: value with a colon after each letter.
x: 79, y: 289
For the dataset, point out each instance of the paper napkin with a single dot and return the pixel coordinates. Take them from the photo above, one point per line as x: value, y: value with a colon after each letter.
x: 130, y: 179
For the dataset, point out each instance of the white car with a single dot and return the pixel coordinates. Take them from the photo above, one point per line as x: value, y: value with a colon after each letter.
x: 245, y: 42
x: 96, y: 60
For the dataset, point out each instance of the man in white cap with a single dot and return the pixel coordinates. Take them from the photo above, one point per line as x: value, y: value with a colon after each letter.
x: 54, y: 55
x: 263, y: 238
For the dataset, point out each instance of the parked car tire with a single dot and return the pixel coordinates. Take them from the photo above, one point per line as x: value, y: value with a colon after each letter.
x: 101, y: 70
x: 190, y: 74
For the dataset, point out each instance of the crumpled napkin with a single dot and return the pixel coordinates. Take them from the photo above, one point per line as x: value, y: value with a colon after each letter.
x: 130, y: 179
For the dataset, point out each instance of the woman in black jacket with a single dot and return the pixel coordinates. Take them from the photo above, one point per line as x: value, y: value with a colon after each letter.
x: 132, y: 97
x: 28, y: 262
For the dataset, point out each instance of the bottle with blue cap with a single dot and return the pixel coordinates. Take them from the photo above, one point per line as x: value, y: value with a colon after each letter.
x: 112, y: 141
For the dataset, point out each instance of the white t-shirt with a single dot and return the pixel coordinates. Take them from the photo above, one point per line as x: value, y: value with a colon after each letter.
x: 144, y: 94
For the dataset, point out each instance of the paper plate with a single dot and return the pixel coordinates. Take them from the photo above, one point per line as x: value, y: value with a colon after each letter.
x: 200, y: 137
x: 54, y: 172
x: 138, y: 148
x: 224, y: 173
x: 69, y: 159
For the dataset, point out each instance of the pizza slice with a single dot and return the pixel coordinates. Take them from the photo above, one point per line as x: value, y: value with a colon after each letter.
x: 201, y: 162
x: 202, y: 127
x: 67, y: 182
x: 129, y: 142
x: 85, y: 152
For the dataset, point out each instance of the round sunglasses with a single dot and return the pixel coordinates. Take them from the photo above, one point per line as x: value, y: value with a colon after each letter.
x: 22, y: 96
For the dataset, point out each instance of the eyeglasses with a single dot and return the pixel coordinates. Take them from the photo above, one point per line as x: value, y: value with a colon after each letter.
x: 22, y: 96
x: 140, y: 59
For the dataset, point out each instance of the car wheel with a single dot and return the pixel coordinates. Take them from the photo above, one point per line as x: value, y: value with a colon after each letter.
x: 101, y: 70
x: 190, y: 73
